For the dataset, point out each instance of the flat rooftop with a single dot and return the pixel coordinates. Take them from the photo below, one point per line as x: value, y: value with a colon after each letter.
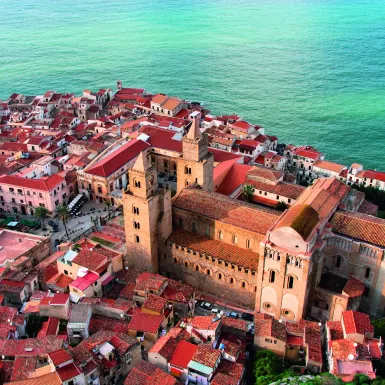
x: 332, y: 282
x: 13, y: 244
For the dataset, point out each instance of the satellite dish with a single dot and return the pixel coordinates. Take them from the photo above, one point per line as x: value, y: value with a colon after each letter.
x: 351, y: 357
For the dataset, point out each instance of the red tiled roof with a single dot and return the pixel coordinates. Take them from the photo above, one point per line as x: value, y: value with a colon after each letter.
x: 265, y: 173
x: 235, y: 323
x: 177, y: 291
x: 215, y: 248
x: 307, y: 152
x: 359, y: 226
x: 205, y: 323
x: 145, y: 322
x: 42, y: 184
x: 267, y: 326
x: 331, y: 166
x: 372, y: 174
x: 90, y: 259
x: 47, y: 379
x: 354, y: 287
x: 67, y: 372
x: 206, y: 355
x: 147, y: 374
x: 294, y: 340
x: 161, y: 138
x: 183, y: 354
x: 356, y: 322
x: 229, y: 373
x: 59, y: 299
x: 148, y: 280
x: 59, y: 357
x: 154, y: 303
x: 118, y: 158
x: 82, y: 283
x: 13, y: 146
x: 234, y: 178
x: 99, y: 322
x: 283, y: 189
x: 227, y: 210
x: 222, y: 156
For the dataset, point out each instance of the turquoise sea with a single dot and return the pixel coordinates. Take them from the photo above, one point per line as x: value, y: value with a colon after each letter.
x: 310, y: 71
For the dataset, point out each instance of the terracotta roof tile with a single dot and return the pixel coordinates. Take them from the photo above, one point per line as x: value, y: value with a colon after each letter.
x: 48, y: 379
x: 359, y: 226
x: 67, y: 372
x: 154, y: 303
x: 42, y: 184
x: 227, y: 210
x: 215, y: 248
x: 144, y: 322
x: 354, y: 287
x: 206, y: 355
x: 90, y: 259
x: 59, y: 357
x: 356, y: 322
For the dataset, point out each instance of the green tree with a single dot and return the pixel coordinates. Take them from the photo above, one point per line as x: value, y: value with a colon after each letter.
x: 247, y: 192
x: 281, y: 206
x: 108, y: 204
x: 63, y: 214
x: 41, y: 214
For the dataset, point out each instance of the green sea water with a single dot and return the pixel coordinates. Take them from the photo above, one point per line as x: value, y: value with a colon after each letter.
x: 310, y: 71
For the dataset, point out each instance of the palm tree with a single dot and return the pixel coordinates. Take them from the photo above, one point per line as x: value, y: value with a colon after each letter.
x: 41, y: 213
x: 63, y: 214
x: 281, y: 206
x: 247, y: 192
x: 108, y: 204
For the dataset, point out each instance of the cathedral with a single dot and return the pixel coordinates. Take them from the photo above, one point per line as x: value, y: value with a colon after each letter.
x: 318, y: 258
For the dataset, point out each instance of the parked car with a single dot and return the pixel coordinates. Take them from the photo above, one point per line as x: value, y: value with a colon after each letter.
x: 233, y: 314
x: 207, y: 305
x: 247, y: 317
x: 215, y: 310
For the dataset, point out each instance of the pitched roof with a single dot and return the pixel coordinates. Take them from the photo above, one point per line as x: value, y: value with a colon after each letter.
x: 83, y: 283
x: 267, y: 326
x: 330, y: 166
x: 42, y: 184
x: 373, y: 174
x: 48, y: 379
x: 194, y: 132
x: 90, y: 259
x: 354, y: 287
x: 145, y: 373
x: 145, y: 322
x: 225, y: 209
x: 183, y: 354
x: 154, y: 303
x: 118, y: 158
x: 161, y: 138
x: 360, y: 226
x: 356, y: 322
x: 265, y: 173
x: 59, y: 357
x: 235, y: 177
x: 215, y: 248
x: 67, y: 372
x: 206, y: 355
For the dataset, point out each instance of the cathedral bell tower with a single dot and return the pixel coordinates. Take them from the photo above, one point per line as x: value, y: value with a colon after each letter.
x: 142, y: 208
x: 197, y: 163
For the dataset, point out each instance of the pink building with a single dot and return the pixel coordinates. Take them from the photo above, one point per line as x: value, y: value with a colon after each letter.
x: 23, y: 195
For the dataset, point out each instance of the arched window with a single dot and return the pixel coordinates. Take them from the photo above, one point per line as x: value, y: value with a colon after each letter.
x: 193, y: 227
x: 235, y: 239
x: 255, y: 289
x: 219, y: 276
x: 136, y: 225
x: 272, y: 276
x: 231, y: 280
x: 248, y: 243
x: 187, y: 182
x: 136, y: 183
x: 135, y: 210
x: 243, y: 285
x: 208, y: 272
x: 338, y: 262
x: 220, y: 234
x: 137, y: 240
x: 176, y: 260
x: 367, y: 272
x: 196, y: 268
x: 290, y: 282
x: 186, y: 264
